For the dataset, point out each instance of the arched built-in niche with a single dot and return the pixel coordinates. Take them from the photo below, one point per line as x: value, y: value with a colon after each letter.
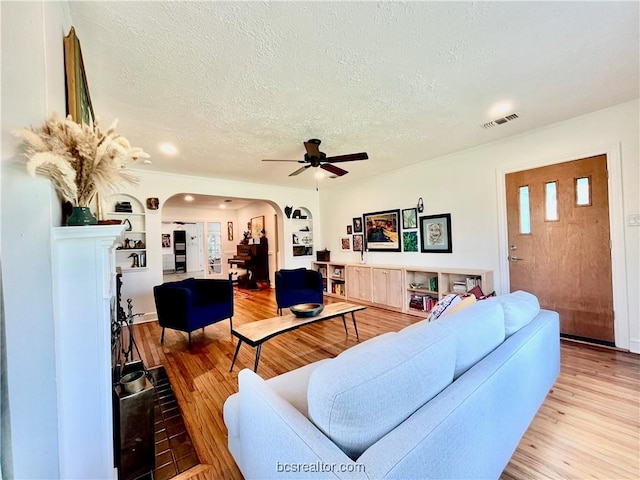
x: 301, y: 232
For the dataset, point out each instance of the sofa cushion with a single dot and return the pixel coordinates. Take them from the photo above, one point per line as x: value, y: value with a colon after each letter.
x: 365, y: 392
x: 478, y: 329
x: 520, y: 308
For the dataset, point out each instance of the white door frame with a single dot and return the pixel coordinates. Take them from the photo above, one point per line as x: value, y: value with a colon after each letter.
x: 616, y: 226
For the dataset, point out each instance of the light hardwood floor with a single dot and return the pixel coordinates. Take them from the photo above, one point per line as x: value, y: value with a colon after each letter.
x: 588, y: 427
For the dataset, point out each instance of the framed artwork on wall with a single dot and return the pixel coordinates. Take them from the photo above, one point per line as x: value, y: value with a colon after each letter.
x: 410, y: 241
x: 230, y: 231
x: 166, y: 240
x: 345, y: 242
x: 409, y: 218
x: 78, y: 98
x: 357, y: 225
x: 357, y: 242
x: 435, y: 233
x: 257, y: 225
x: 382, y: 231
x: 349, y: 229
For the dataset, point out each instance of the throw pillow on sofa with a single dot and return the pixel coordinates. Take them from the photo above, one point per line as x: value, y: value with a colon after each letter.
x: 364, y: 393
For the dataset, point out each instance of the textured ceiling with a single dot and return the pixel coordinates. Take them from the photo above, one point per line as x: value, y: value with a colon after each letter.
x: 231, y: 83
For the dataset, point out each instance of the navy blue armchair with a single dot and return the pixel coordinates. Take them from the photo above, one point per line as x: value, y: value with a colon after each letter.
x: 190, y: 304
x: 298, y: 286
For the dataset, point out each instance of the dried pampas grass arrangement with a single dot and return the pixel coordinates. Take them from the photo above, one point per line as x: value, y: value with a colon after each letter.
x: 80, y: 160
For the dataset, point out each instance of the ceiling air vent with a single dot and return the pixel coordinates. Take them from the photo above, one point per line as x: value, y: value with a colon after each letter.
x: 500, y: 121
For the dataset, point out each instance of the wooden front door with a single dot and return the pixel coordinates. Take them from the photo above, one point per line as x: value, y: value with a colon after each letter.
x: 559, y: 243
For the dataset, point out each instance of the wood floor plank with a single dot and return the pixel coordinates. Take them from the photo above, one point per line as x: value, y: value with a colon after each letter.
x: 588, y: 427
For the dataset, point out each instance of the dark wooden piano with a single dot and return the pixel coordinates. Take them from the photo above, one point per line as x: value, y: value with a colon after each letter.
x: 255, y: 260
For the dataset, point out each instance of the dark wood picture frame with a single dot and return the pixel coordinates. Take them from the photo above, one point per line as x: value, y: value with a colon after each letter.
x: 357, y: 224
x: 382, y: 231
x: 435, y: 233
x: 78, y: 98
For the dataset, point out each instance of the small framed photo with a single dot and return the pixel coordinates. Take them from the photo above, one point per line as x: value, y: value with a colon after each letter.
x: 357, y: 225
x: 166, y: 240
x: 349, y: 230
x: 357, y: 242
x: 346, y: 243
x: 409, y: 218
x: 435, y: 233
x: 410, y: 241
x: 230, y: 231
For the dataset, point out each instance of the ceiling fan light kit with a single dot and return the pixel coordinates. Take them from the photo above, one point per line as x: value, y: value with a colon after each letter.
x: 315, y: 158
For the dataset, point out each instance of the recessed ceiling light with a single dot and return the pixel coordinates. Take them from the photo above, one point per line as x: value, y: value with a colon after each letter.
x: 499, y: 109
x: 168, y: 148
x: 222, y: 205
x: 319, y: 174
x: 188, y: 198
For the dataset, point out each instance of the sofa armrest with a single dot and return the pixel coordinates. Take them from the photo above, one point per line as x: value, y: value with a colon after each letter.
x: 313, y: 280
x: 277, y: 441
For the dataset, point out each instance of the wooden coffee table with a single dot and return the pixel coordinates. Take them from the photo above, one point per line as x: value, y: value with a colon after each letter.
x: 256, y: 333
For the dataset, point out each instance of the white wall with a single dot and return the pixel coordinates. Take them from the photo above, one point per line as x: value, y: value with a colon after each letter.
x: 32, y: 87
x: 465, y: 184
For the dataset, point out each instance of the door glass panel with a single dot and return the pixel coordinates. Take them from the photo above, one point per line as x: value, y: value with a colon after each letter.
x: 551, y: 201
x: 214, y: 247
x: 583, y: 191
x: 525, y: 210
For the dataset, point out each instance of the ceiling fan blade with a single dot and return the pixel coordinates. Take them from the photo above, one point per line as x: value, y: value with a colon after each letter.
x: 300, y: 170
x: 333, y: 169
x: 313, y: 147
x: 347, y: 158
x: 272, y: 160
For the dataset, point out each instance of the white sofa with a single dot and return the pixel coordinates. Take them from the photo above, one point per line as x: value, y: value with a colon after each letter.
x: 449, y: 398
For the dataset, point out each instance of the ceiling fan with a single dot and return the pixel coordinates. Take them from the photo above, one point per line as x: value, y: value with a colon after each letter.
x: 315, y: 158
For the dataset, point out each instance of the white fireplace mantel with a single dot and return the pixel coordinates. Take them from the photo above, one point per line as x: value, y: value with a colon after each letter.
x: 83, y: 292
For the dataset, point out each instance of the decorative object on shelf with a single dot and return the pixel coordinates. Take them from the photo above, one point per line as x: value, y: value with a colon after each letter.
x: 80, y: 160
x: 410, y: 241
x: 381, y: 231
x: 296, y: 213
x: 435, y: 233
x: 230, y: 231
x: 420, y: 206
x: 345, y: 242
x: 323, y: 255
x: 287, y: 211
x: 357, y: 225
x: 245, y: 238
x: 127, y: 224
x: 123, y: 207
x: 134, y: 263
x: 357, y: 242
x: 306, y: 310
x: 349, y: 229
x: 409, y: 218
x: 153, y: 203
